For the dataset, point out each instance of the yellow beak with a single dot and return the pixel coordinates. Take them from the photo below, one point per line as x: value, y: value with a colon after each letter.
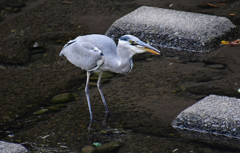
x: 144, y: 46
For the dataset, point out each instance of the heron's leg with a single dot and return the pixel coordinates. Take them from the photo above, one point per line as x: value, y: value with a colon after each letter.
x: 103, y: 99
x: 88, y: 99
x: 101, y: 93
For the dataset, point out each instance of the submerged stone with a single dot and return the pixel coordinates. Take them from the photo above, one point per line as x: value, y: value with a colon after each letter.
x: 63, y: 98
x: 54, y: 108
x: 88, y: 149
x: 41, y: 111
x: 216, y: 66
x: 109, y: 147
x: 1, y: 18
x: 182, y: 34
x: 105, y: 75
x: 214, y: 119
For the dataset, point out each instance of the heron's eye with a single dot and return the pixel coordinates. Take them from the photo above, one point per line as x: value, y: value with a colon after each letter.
x: 133, y: 42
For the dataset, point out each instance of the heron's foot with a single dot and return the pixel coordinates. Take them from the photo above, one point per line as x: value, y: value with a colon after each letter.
x: 108, y: 113
x: 90, y: 123
x: 106, y: 117
x: 104, y: 122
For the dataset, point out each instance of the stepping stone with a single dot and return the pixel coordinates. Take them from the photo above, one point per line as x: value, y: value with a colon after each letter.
x: 181, y: 34
x: 12, y: 147
x: 214, y: 119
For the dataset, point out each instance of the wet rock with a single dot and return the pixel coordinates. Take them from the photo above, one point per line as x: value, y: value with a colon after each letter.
x: 53, y: 108
x: 16, y: 4
x: 107, y: 75
x: 207, y: 150
x: 181, y: 34
x: 37, y: 50
x: 109, y: 147
x: 88, y: 149
x: 115, y: 131
x: 149, y: 59
x: 8, y: 8
x: 218, y: 85
x: 1, y: 18
x: 176, y: 60
x: 92, y: 83
x: 140, y: 56
x: 36, y: 56
x: 10, y: 53
x: 16, y: 10
x: 216, y: 66
x: 12, y: 147
x: 41, y: 111
x: 56, y: 107
x: 214, y: 119
x: 63, y: 98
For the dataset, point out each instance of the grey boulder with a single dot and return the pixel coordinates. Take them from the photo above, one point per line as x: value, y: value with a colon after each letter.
x: 181, y: 34
x: 7, y: 147
x: 214, y: 119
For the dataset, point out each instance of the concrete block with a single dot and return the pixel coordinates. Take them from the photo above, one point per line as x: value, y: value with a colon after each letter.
x: 214, y: 119
x: 182, y: 34
x: 12, y: 147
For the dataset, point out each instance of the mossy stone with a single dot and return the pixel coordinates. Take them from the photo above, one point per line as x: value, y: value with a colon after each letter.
x: 41, y: 111
x: 88, y: 149
x: 109, y: 147
x: 63, y: 98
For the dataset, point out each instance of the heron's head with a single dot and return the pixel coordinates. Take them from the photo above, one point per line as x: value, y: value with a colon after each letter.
x: 137, y: 46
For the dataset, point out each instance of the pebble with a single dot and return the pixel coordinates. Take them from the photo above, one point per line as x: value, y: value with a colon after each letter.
x: 1, y: 18
x: 16, y: 10
x: 8, y: 8
x: 107, y: 75
x: 207, y: 150
x: 176, y: 60
x: 37, y: 50
x: 17, y: 4
x: 140, y: 56
x: 54, y: 108
x: 36, y: 56
x: 92, y: 83
x: 109, y: 147
x: 41, y: 111
x: 63, y: 98
x: 149, y: 59
x: 216, y: 66
x: 106, y: 148
x: 104, y: 75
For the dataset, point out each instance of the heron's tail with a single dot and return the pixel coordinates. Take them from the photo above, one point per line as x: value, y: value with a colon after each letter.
x: 61, y: 53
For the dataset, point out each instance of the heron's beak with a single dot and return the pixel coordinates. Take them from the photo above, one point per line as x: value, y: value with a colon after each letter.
x: 144, y: 46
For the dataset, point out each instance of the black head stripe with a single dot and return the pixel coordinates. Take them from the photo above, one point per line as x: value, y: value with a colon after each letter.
x: 124, y: 38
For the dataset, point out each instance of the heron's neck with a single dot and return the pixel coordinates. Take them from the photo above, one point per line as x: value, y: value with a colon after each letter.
x: 125, y: 57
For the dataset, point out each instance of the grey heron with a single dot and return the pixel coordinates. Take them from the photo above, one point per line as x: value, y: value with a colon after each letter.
x: 98, y: 53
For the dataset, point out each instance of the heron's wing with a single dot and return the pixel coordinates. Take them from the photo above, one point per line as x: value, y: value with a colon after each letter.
x: 83, y: 54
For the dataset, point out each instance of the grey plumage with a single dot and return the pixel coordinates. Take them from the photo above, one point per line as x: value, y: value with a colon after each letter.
x: 98, y: 53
